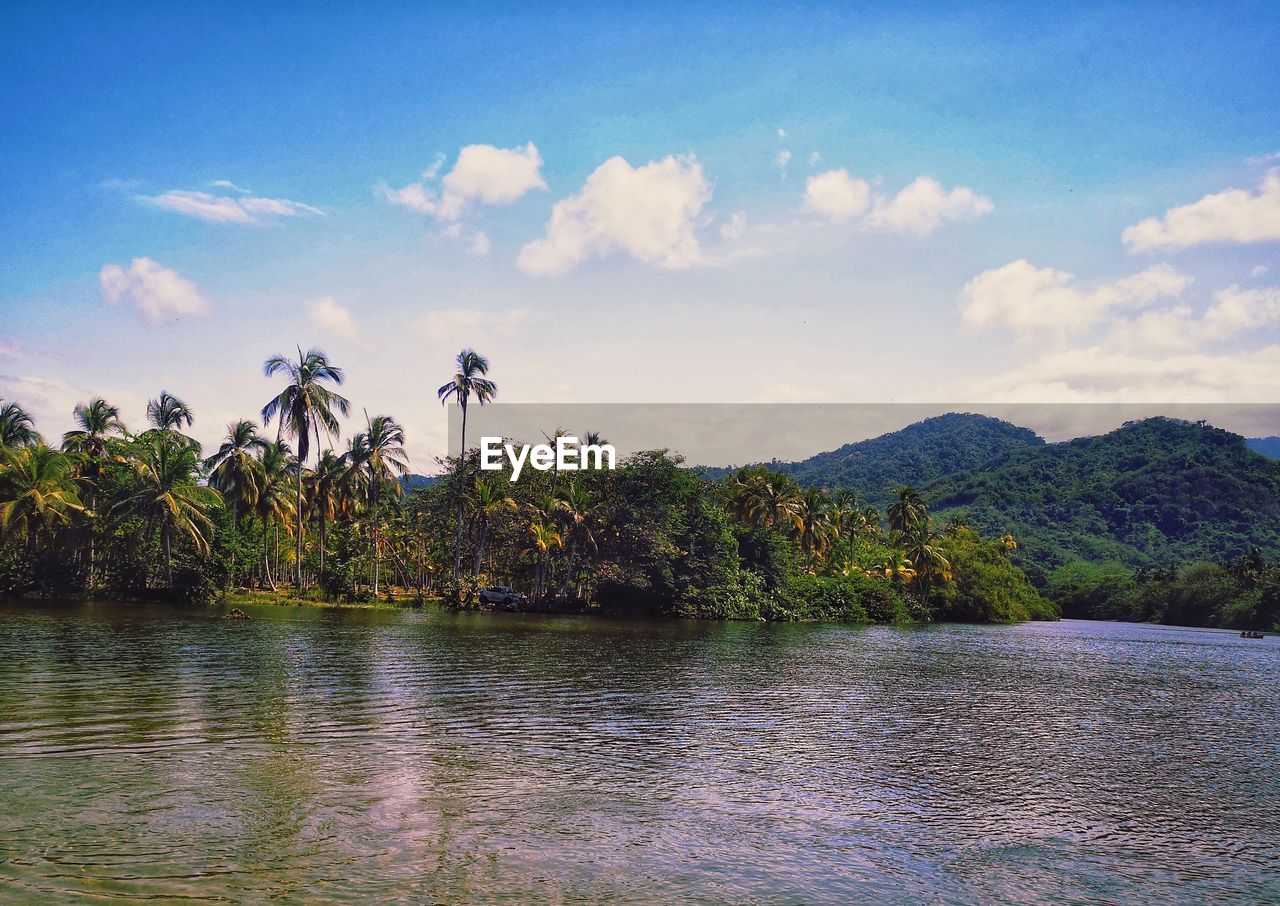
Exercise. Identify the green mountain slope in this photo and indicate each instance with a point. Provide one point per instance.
(918, 455)
(1152, 493)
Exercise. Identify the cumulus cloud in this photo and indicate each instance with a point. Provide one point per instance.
(482, 174)
(781, 161)
(1027, 299)
(243, 207)
(923, 206)
(327, 316)
(917, 210)
(1234, 216)
(158, 293)
(837, 196)
(649, 212)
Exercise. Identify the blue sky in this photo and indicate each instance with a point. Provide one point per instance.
(755, 230)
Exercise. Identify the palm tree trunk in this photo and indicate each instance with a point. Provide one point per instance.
(462, 458)
(297, 566)
(322, 540)
(568, 571)
(168, 557)
(266, 555)
(481, 530)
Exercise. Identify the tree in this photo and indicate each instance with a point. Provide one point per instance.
(273, 503)
(37, 491)
(168, 413)
(489, 499)
(305, 407)
(168, 496)
(379, 454)
(578, 509)
(17, 429)
(545, 539)
(98, 422)
(236, 473)
(328, 493)
(467, 381)
(907, 511)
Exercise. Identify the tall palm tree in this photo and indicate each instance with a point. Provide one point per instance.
(17, 428)
(327, 494)
(235, 471)
(578, 509)
(766, 499)
(378, 453)
(489, 499)
(467, 381)
(813, 525)
(98, 422)
(274, 502)
(168, 413)
(305, 407)
(921, 548)
(545, 538)
(169, 497)
(38, 490)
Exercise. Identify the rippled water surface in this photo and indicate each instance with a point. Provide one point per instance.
(363, 755)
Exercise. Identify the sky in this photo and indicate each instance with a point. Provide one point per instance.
(763, 203)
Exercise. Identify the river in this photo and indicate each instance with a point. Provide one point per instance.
(400, 756)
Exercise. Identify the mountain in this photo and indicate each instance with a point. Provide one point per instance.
(918, 455)
(413, 481)
(1152, 493)
(1265, 446)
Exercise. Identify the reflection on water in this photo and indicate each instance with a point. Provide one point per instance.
(382, 755)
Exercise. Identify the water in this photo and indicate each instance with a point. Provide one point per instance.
(374, 755)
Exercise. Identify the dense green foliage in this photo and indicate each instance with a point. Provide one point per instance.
(1241, 594)
(1153, 493)
(147, 515)
(917, 455)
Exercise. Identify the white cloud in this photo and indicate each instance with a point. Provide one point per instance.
(735, 227)
(814, 159)
(463, 325)
(478, 244)
(228, 184)
(1260, 270)
(649, 212)
(923, 206)
(483, 174)
(783, 158)
(1235, 310)
(157, 292)
(246, 208)
(837, 196)
(1236, 215)
(917, 210)
(326, 315)
(10, 349)
(782, 133)
(1027, 299)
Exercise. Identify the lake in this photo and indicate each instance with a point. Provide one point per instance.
(405, 756)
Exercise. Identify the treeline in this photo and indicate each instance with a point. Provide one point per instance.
(1243, 593)
(149, 514)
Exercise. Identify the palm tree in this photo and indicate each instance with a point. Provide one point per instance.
(469, 379)
(813, 526)
(765, 499)
(17, 428)
(236, 473)
(274, 503)
(169, 497)
(38, 490)
(168, 413)
(927, 558)
(545, 538)
(489, 499)
(305, 406)
(576, 505)
(907, 511)
(98, 421)
(327, 493)
(378, 453)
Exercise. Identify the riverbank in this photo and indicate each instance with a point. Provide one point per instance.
(288, 597)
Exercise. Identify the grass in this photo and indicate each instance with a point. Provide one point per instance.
(287, 596)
